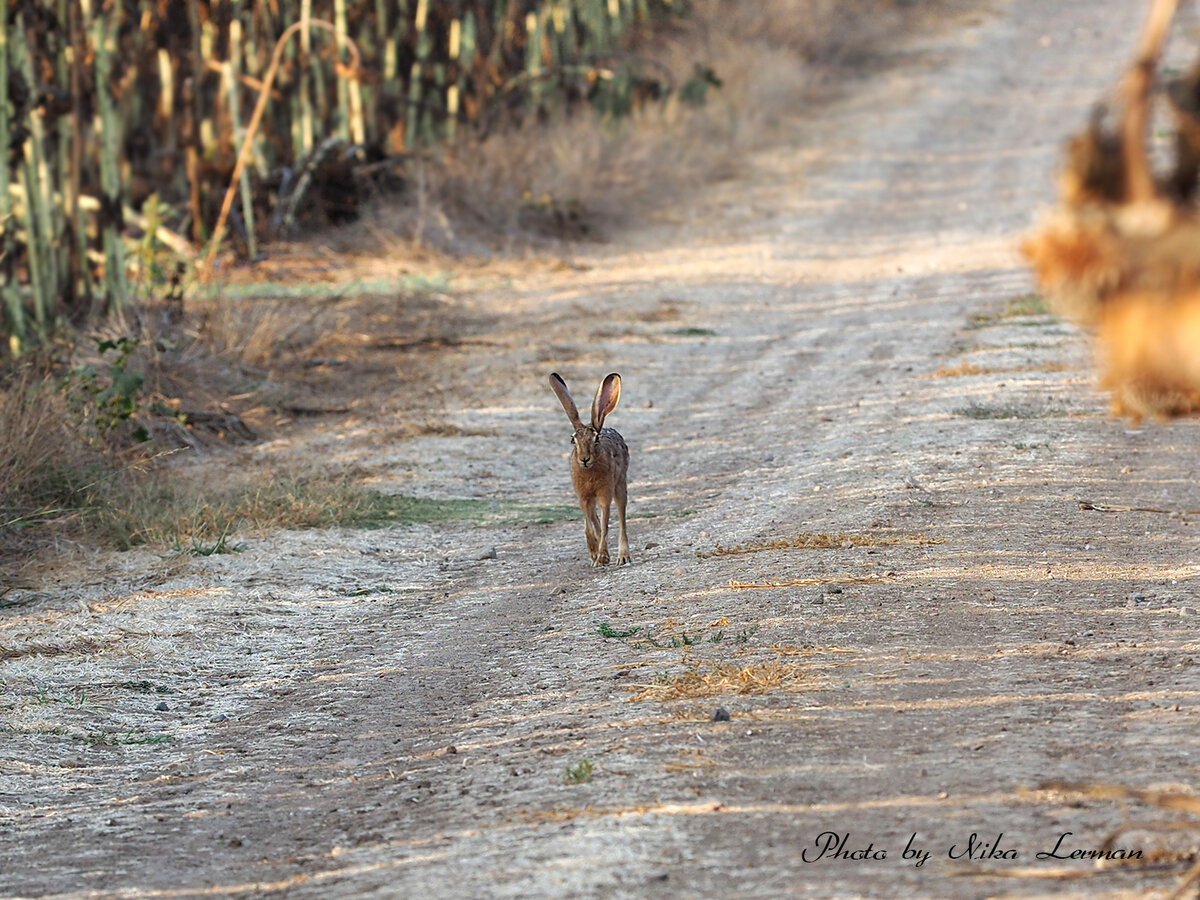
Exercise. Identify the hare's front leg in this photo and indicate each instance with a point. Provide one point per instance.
(591, 527)
(622, 494)
(601, 559)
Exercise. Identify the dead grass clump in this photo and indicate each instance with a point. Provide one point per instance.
(80, 646)
(821, 540)
(959, 369)
(261, 331)
(714, 679)
(965, 368)
(47, 468)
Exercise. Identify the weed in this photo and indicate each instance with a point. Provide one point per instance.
(692, 332)
(77, 700)
(743, 637)
(368, 591)
(671, 642)
(580, 773)
(984, 411)
(54, 730)
(146, 687)
(119, 739)
(219, 546)
(108, 397)
(607, 631)
(1025, 306)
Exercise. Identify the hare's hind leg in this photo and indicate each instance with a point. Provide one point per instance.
(622, 495)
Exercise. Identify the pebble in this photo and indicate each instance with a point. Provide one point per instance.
(833, 589)
(219, 717)
(720, 714)
(162, 707)
(489, 554)
(651, 546)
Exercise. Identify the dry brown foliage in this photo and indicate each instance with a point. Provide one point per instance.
(1121, 253)
(576, 177)
(715, 679)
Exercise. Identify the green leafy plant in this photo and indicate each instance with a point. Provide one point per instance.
(694, 91)
(108, 397)
(607, 631)
(580, 773)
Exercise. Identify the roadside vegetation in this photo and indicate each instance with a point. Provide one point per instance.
(148, 183)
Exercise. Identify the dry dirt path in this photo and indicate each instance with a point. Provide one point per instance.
(820, 345)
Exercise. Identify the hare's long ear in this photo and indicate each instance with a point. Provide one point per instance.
(607, 396)
(564, 397)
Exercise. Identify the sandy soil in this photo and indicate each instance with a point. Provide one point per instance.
(818, 345)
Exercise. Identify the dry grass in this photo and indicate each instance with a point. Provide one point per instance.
(958, 370)
(578, 176)
(966, 368)
(715, 679)
(803, 582)
(821, 540)
(261, 331)
(46, 463)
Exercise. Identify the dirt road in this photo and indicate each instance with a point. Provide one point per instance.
(833, 344)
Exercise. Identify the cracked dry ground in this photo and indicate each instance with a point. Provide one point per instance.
(824, 344)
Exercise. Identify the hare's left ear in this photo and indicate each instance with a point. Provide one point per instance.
(607, 396)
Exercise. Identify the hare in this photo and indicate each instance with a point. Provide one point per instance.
(599, 463)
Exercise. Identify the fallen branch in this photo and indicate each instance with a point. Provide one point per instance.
(1108, 507)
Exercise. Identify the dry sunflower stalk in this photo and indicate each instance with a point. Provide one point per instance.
(1121, 252)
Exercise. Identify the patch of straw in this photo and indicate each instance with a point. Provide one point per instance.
(713, 679)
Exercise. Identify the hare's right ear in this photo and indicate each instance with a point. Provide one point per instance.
(564, 397)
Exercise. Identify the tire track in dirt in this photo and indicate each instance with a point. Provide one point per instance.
(415, 742)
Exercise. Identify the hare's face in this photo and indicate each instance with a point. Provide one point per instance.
(583, 444)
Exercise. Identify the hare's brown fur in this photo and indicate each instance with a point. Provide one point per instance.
(599, 466)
